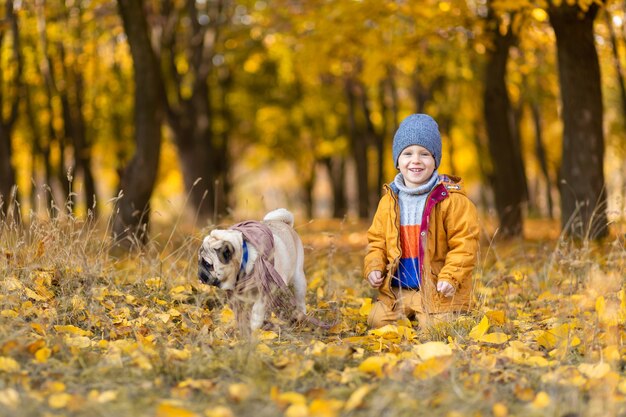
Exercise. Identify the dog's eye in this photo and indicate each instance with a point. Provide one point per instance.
(225, 253)
(206, 265)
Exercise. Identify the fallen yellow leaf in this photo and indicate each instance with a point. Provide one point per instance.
(325, 408)
(33, 295)
(430, 350)
(205, 385)
(219, 411)
(238, 392)
(36, 345)
(43, 354)
(597, 371)
(227, 316)
(178, 289)
(500, 410)
(178, 354)
(366, 307)
(520, 353)
(163, 317)
(385, 331)
(297, 410)
(611, 353)
(536, 360)
(80, 342)
(432, 367)
(102, 397)
(524, 393)
(289, 398)
(9, 314)
(608, 312)
(59, 400)
(55, 387)
(8, 364)
(171, 410)
(496, 317)
(494, 338)
(377, 365)
(542, 400)
(267, 335)
(72, 330)
(480, 329)
(38, 328)
(550, 338)
(392, 332)
(9, 398)
(263, 348)
(356, 398)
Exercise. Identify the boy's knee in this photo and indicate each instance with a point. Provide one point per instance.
(376, 317)
(381, 315)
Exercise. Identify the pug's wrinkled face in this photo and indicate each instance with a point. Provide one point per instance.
(219, 258)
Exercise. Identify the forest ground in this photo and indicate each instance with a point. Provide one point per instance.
(84, 332)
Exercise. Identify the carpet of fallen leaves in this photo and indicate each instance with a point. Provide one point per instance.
(84, 332)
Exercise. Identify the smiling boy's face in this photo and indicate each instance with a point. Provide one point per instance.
(416, 165)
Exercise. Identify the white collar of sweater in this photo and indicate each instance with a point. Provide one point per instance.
(422, 189)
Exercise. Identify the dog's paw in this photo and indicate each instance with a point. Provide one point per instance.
(269, 326)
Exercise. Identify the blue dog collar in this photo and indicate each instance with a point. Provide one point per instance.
(244, 258)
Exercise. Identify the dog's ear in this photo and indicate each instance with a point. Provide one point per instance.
(225, 253)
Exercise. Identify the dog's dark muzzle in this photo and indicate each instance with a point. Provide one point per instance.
(204, 272)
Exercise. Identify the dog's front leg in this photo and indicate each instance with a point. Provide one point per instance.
(258, 314)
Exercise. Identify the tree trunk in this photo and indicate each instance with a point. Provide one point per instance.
(65, 172)
(509, 178)
(132, 219)
(583, 197)
(358, 142)
(191, 119)
(46, 69)
(193, 137)
(82, 148)
(336, 172)
(80, 141)
(8, 191)
(616, 61)
(445, 126)
(380, 142)
(37, 153)
(372, 137)
(307, 187)
(225, 83)
(7, 172)
(395, 100)
(540, 151)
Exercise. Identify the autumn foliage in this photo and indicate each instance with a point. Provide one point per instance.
(86, 332)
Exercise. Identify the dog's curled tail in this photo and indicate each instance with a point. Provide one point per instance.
(281, 215)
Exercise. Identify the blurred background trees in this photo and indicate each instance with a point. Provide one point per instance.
(234, 107)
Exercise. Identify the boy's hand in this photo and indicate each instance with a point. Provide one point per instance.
(445, 288)
(375, 279)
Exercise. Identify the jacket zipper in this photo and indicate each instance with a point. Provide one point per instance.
(396, 261)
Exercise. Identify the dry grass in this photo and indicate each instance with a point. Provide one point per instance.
(86, 332)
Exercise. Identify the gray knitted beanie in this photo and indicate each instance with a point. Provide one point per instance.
(418, 129)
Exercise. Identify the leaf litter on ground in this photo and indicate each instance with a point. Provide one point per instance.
(83, 332)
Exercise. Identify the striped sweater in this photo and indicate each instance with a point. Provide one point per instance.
(412, 201)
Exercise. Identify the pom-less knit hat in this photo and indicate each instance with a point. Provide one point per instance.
(418, 129)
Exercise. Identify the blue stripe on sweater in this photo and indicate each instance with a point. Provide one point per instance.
(408, 275)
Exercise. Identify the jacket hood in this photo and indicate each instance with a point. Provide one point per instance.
(452, 183)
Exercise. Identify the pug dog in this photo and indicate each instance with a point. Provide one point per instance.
(253, 261)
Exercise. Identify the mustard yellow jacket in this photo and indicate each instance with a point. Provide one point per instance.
(448, 251)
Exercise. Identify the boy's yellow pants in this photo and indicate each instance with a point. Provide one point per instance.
(408, 305)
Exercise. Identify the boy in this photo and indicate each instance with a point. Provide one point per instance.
(423, 241)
